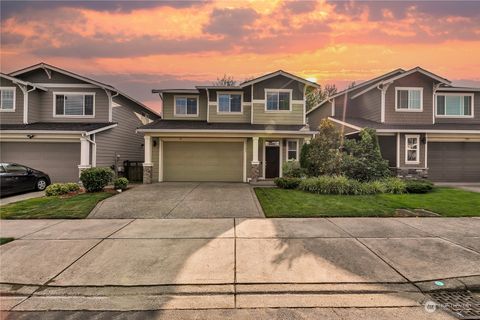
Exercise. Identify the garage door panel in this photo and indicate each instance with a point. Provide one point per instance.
(454, 161)
(203, 161)
(59, 160)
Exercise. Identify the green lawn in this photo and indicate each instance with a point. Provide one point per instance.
(5, 240)
(75, 207)
(293, 203)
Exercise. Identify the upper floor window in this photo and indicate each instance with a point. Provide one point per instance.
(229, 103)
(408, 99)
(186, 106)
(412, 149)
(455, 105)
(278, 100)
(292, 150)
(7, 102)
(75, 104)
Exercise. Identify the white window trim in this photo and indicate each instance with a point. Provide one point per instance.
(416, 136)
(55, 93)
(229, 93)
(175, 114)
(296, 151)
(455, 94)
(278, 91)
(14, 99)
(397, 109)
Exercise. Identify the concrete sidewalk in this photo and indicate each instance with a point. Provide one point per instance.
(154, 264)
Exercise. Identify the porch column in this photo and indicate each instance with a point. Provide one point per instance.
(147, 164)
(84, 155)
(255, 168)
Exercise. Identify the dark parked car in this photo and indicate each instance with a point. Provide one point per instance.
(15, 178)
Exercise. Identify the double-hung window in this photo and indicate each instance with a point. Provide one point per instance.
(186, 106)
(408, 99)
(277, 100)
(455, 105)
(412, 149)
(74, 104)
(292, 150)
(7, 102)
(229, 103)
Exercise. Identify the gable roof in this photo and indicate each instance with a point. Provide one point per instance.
(277, 73)
(360, 85)
(104, 86)
(19, 81)
(402, 75)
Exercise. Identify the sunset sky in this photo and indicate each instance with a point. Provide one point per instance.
(140, 45)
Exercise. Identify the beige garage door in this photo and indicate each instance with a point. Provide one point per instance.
(59, 160)
(203, 161)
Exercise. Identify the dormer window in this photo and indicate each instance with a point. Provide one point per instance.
(7, 103)
(278, 100)
(186, 106)
(408, 99)
(74, 104)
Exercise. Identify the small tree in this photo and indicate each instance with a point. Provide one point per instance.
(314, 96)
(362, 159)
(226, 81)
(323, 155)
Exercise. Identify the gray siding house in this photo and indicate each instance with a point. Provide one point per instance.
(426, 126)
(240, 133)
(60, 122)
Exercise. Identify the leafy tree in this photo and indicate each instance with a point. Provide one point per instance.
(362, 159)
(316, 95)
(323, 155)
(226, 81)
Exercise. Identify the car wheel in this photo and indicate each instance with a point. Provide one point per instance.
(41, 184)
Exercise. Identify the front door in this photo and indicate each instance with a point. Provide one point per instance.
(272, 162)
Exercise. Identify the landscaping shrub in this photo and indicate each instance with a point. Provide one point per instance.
(372, 187)
(95, 179)
(72, 187)
(418, 186)
(120, 183)
(292, 169)
(330, 185)
(56, 189)
(362, 159)
(394, 185)
(287, 183)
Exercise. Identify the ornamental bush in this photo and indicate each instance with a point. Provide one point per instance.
(418, 186)
(394, 185)
(287, 183)
(292, 169)
(330, 185)
(58, 189)
(120, 183)
(95, 179)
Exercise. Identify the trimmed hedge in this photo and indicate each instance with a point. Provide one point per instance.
(58, 189)
(342, 185)
(419, 186)
(120, 183)
(95, 179)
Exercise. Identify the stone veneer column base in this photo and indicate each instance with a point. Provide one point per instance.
(254, 172)
(411, 173)
(147, 173)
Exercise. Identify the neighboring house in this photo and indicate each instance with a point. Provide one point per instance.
(60, 122)
(238, 133)
(426, 126)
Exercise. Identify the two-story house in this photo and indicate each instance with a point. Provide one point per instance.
(426, 126)
(237, 133)
(60, 122)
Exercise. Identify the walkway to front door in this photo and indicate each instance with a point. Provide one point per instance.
(182, 200)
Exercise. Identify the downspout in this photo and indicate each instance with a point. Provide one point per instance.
(25, 100)
(383, 88)
(434, 101)
(110, 103)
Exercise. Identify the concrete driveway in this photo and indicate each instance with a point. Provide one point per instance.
(150, 264)
(182, 200)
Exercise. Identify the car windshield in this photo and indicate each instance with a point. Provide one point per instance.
(15, 168)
